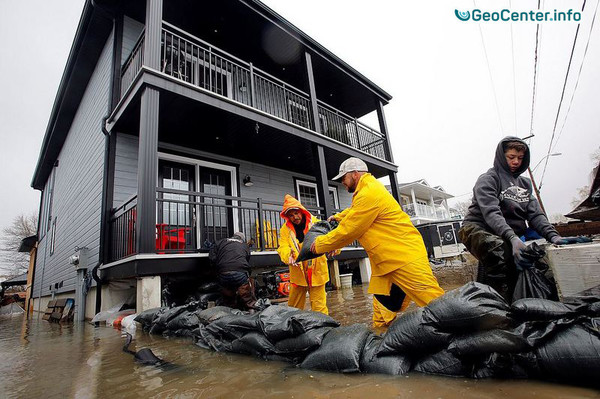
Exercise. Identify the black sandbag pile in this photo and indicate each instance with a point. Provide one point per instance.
(394, 364)
(534, 280)
(317, 229)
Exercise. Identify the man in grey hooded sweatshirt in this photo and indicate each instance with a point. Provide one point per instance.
(503, 206)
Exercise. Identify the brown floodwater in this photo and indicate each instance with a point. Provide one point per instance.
(43, 360)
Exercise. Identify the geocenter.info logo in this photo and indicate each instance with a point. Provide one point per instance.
(506, 15)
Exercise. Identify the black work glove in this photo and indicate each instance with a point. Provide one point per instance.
(517, 247)
(558, 240)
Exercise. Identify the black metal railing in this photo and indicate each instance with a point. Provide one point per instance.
(192, 60)
(188, 221)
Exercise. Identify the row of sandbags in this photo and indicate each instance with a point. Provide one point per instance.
(468, 332)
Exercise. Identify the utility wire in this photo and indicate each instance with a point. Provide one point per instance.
(512, 47)
(535, 70)
(490, 73)
(578, 75)
(561, 100)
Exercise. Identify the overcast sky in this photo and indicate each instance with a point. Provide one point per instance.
(448, 112)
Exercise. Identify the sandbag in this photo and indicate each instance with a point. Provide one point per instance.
(541, 309)
(572, 354)
(253, 343)
(303, 343)
(146, 317)
(474, 306)
(340, 351)
(409, 333)
(317, 229)
(502, 365)
(274, 323)
(371, 363)
(204, 298)
(206, 340)
(485, 342)
(186, 320)
(159, 324)
(209, 315)
(233, 326)
(532, 283)
(442, 363)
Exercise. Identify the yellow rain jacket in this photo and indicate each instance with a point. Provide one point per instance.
(386, 233)
(289, 245)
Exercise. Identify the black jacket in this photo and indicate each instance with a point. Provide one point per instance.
(503, 202)
(230, 254)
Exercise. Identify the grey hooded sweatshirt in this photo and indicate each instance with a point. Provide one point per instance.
(503, 202)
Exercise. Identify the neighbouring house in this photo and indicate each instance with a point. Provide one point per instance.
(177, 123)
(438, 223)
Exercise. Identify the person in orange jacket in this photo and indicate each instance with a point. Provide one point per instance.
(400, 270)
(308, 276)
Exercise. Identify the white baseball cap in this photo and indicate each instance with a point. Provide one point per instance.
(351, 165)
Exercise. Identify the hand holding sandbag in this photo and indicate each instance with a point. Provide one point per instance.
(318, 229)
(517, 247)
(558, 240)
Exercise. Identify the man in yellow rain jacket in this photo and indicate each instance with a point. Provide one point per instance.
(308, 276)
(394, 246)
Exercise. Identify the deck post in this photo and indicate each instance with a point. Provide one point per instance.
(152, 36)
(148, 293)
(147, 172)
(364, 265)
(322, 181)
(334, 274)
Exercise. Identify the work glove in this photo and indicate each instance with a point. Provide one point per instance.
(517, 247)
(558, 240)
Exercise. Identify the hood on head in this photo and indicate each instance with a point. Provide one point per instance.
(290, 202)
(500, 160)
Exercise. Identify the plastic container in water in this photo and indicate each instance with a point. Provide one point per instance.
(346, 280)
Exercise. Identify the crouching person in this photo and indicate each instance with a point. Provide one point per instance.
(308, 276)
(231, 259)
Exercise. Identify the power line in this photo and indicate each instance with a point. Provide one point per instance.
(578, 75)
(561, 98)
(535, 70)
(490, 73)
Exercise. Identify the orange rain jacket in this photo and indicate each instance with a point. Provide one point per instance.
(287, 237)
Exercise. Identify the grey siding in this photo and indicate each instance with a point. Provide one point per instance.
(131, 33)
(78, 186)
(126, 159)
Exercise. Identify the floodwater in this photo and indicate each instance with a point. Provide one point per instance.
(43, 360)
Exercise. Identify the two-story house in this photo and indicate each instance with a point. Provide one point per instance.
(179, 122)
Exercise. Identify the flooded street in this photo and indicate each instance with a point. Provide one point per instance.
(43, 360)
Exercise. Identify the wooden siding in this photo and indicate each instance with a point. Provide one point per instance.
(131, 33)
(78, 186)
(270, 184)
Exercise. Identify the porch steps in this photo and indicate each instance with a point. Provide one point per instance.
(59, 310)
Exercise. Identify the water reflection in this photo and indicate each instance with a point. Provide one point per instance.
(39, 359)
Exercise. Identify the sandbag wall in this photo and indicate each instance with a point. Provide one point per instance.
(468, 332)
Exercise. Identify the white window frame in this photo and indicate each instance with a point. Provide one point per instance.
(197, 164)
(306, 183)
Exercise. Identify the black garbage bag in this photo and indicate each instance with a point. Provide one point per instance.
(279, 322)
(532, 283)
(209, 315)
(233, 326)
(206, 340)
(340, 351)
(443, 363)
(253, 343)
(572, 355)
(474, 306)
(317, 229)
(146, 318)
(485, 342)
(541, 309)
(371, 363)
(205, 298)
(410, 333)
(185, 320)
(159, 324)
(303, 343)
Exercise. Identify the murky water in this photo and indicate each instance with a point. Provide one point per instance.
(43, 360)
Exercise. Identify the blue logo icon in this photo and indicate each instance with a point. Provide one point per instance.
(462, 15)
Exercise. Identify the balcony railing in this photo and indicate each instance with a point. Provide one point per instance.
(189, 222)
(192, 60)
(426, 211)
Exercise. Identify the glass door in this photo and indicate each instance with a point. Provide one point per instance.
(175, 222)
(216, 215)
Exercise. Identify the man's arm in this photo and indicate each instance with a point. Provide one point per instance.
(355, 223)
(285, 250)
(486, 195)
(538, 220)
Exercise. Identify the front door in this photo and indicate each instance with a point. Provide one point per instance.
(216, 215)
(175, 222)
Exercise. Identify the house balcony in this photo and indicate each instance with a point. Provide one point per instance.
(428, 212)
(197, 64)
(190, 222)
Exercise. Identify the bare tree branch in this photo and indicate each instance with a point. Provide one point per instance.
(12, 261)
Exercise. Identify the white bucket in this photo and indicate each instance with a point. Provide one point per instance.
(346, 280)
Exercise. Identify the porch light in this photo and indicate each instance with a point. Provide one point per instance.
(247, 181)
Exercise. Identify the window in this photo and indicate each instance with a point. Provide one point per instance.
(307, 194)
(46, 216)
